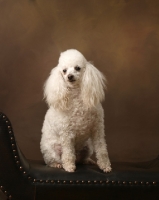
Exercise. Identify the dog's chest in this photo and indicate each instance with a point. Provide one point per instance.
(81, 119)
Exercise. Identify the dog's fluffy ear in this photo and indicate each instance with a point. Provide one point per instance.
(93, 85)
(55, 91)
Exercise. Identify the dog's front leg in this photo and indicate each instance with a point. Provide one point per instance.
(100, 149)
(68, 153)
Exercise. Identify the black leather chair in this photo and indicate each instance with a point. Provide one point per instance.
(21, 179)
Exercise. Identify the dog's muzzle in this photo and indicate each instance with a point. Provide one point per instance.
(71, 78)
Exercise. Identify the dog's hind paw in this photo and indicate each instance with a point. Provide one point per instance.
(56, 165)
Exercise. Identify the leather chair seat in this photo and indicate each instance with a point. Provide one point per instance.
(123, 173)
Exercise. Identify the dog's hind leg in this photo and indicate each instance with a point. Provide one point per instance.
(52, 157)
(83, 156)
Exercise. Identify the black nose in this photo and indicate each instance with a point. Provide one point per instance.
(70, 77)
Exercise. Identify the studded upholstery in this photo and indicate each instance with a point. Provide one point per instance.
(21, 179)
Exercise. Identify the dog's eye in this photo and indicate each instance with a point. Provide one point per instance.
(77, 68)
(64, 70)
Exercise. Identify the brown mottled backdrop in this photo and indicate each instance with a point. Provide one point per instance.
(121, 37)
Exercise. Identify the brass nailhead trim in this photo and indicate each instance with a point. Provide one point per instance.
(5, 192)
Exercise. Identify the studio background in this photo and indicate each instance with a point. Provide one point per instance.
(121, 37)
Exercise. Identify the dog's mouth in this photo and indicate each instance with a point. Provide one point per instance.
(73, 80)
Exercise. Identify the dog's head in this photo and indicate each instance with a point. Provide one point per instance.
(74, 71)
(72, 65)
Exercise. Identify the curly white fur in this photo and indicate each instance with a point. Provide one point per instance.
(74, 123)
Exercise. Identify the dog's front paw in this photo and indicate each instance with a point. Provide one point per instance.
(69, 168)
(105, 167)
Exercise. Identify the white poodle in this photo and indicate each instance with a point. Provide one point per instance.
(74, 123)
